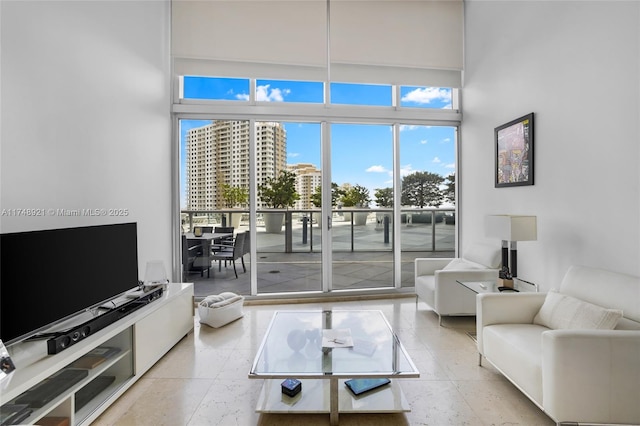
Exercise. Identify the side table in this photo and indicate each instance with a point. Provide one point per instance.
(519, 285)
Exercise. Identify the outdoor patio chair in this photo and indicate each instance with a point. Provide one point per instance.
(246, 248)
(220, 244)
(231, 255)
(193, 258)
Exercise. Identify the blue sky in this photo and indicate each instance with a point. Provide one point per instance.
(361, 154)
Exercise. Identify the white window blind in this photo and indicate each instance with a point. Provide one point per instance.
(371, 41)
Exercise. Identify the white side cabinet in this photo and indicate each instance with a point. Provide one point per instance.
(94, 372)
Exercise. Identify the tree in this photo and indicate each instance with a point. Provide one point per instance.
(449, 191)
(316, 197)
(355, 196)
(384, 197)
(234, 195)
(422, 189)
(279, 192)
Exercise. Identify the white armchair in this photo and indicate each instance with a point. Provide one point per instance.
(435, 279)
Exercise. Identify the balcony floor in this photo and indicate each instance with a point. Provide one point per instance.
(299, 272)
(369, 265)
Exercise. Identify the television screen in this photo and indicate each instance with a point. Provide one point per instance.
(50, 275)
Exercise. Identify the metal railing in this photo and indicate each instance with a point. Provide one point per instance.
(353, 229)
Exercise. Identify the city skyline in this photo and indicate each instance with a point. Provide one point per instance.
(361, 153)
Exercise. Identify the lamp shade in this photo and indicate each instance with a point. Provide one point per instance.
(511, 227)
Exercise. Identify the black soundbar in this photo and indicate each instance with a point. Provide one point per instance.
(63, 340)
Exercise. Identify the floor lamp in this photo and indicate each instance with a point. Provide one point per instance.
(511, 229)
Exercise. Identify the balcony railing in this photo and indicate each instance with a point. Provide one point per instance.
(353, 230)
(363, 254)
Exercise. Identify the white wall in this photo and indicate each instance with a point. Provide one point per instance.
(86, 116)
(576, 65)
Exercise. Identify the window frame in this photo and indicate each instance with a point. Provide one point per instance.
(394, 115)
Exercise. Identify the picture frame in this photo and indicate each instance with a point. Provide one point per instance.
(514, 144)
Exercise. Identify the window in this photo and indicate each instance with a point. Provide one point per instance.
(425, 97)
(215, 88)
(374, 140)
(289, 91)
(361, 94)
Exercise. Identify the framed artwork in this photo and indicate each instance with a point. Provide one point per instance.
(514, 152)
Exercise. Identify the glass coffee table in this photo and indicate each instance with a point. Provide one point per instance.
(492, 286)
(293, 348)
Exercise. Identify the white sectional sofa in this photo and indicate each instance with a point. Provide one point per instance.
(559, 349)
(435, 278)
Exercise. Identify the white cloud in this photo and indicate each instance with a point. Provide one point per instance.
(267, 94)
(406, 170)
(450, 166)
(293, 154)
(446, 140)
(376, 169)
(424, 95)
(407, 127)
(424, 142)
(436, 160)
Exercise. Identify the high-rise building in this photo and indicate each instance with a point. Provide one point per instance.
(218, 154)
(308, 179)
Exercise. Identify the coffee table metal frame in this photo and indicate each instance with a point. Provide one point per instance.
(291, 348)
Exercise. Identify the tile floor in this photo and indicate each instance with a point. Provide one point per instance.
(203, 379)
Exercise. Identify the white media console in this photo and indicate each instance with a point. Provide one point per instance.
(100, 367)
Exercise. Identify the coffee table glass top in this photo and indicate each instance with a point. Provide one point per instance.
(292, 347)
(492, 286)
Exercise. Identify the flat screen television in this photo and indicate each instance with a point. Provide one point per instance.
(52, 275)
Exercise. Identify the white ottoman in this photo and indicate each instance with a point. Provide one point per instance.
(221, 309)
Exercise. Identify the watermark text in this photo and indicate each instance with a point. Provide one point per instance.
(60, 212)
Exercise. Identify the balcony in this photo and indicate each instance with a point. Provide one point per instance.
(291, 261)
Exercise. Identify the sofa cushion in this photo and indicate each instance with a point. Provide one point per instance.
(516, 349)
(560, 311)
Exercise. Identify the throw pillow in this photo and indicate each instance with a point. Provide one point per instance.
(565, 312)
(461, 265)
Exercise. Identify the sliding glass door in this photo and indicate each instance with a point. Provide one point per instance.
(288, 231)
(362, 231)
